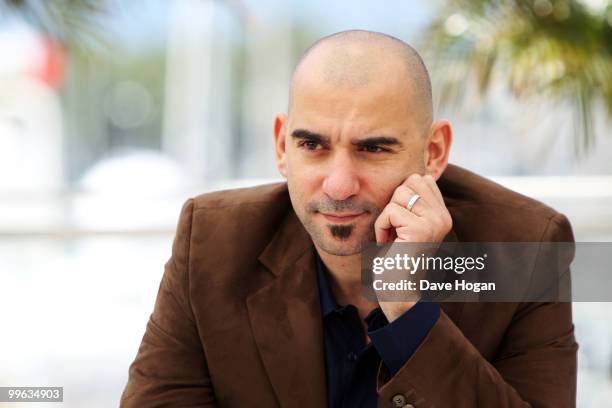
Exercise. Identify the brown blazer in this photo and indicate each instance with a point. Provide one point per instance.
(237, 321)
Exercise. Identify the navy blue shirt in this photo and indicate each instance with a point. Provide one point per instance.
(352, 366)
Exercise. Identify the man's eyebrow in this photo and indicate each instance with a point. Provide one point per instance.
(378, 140)
(368, 141)
(308, 135)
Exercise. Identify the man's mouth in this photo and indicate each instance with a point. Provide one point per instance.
(341, 218)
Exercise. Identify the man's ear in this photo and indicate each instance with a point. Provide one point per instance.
(438, 148)
(280, 133)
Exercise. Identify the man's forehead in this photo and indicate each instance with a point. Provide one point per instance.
(350, 115)
(373, 103)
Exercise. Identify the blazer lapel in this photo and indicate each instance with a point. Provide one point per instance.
(286, 319)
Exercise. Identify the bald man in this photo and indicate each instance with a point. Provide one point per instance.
(261, 303)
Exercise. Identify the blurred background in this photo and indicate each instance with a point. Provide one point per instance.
(113, 113)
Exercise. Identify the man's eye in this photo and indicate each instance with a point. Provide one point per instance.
(373, 149)
(310, 145)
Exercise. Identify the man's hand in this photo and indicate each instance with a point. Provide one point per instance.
(428, 222)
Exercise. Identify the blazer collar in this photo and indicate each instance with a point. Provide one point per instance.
(289, 243)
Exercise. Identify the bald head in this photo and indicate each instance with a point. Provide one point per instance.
(356, 59)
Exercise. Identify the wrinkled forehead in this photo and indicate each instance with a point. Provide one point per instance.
(373, 105)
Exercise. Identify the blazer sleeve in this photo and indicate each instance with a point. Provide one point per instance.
(534, 367)
(170, 367)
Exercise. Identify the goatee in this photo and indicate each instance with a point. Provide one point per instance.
(341, 231)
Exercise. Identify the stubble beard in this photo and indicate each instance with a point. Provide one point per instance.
(343, 240)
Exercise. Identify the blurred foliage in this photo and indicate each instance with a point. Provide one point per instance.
(560, 50)
(74, 23)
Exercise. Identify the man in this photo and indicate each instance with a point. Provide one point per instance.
(260, 304)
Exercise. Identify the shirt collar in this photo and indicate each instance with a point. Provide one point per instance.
(326, 297)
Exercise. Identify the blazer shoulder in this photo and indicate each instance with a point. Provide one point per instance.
(486, 210)
(234, 226)
(238, 214)
(263, 194)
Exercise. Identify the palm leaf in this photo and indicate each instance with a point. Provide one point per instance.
(73, 23)
(553, 49)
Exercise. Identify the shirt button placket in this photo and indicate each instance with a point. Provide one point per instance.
(352, 356)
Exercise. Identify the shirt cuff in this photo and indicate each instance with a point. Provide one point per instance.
(398, 340)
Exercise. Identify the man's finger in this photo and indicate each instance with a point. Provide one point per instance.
(420, 187)
(402, 196)
(393, 216)
(433, 186)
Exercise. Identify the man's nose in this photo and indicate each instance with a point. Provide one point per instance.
(341, 181)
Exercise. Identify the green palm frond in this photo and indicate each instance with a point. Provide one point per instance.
(74, 23)
(554, 49)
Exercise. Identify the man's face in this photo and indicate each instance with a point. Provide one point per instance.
(346, 150)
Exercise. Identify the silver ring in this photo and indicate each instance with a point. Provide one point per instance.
(413, 201)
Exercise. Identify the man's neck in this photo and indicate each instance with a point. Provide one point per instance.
(345, 279)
